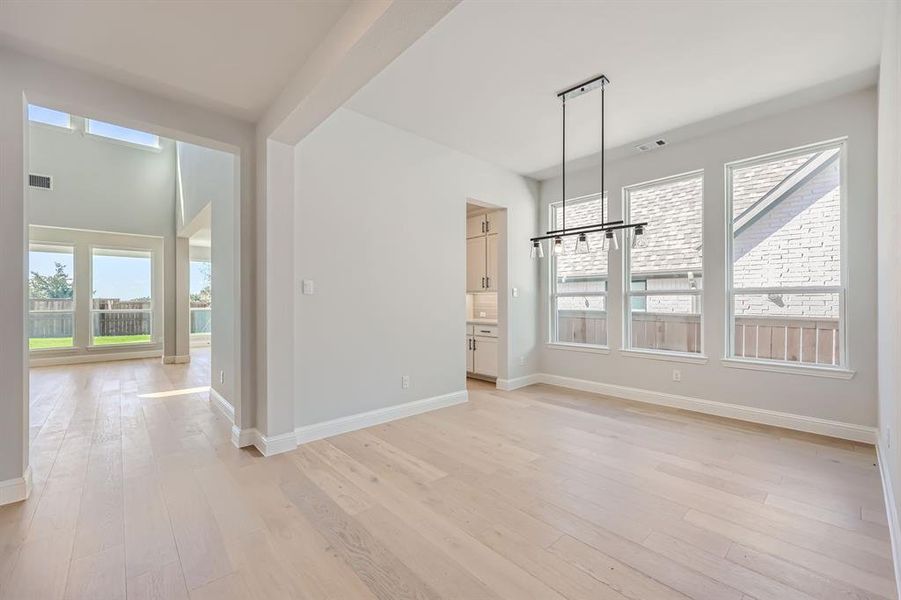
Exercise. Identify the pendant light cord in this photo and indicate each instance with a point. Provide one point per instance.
(603, 163)
(563, 163)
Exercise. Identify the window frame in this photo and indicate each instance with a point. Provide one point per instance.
(199, 335)
(553, 295)
(149, 147)
(730, 359)
(91, 345)
(629, 294)
(73, 312)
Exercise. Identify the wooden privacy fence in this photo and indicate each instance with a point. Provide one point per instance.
(793, 339)
(121, 323)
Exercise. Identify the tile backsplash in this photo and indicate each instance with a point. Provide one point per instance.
(482, 306)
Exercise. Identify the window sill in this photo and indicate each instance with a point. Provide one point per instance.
(60, 350)
(682, 357)
(578, 347)
(137, 345)
(789, 368)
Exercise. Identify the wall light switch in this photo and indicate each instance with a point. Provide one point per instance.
(308, 287)
(677, 375)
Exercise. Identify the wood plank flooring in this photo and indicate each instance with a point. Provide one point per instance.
(541, 493)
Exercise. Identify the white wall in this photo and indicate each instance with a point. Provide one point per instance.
(207, 178)
(888, 267)
(379, 227)
(850, 401)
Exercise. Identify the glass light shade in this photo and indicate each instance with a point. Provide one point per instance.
(582, 244)
(537, 250)
(614, 240)
(559, 248)
(610, 241)
(638, 238)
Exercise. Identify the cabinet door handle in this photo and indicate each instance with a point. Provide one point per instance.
(487, 225)
(487, 282)
(473, 343)
(483, 226)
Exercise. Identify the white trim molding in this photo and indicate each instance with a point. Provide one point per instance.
(509, 385)
(789, 368)
(680, 357)
(17, 489)
(325, 429)
(243, 438)
(176, 359)
(224, 407)
(275, 444)
(891, 513)
(836, 429)
(74, 359)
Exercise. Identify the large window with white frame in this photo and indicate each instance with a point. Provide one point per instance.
(579, 281)
(122, 303)
(663, 267)
(785, 277)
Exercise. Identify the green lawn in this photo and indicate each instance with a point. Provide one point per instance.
(120, 339)
(44, 343)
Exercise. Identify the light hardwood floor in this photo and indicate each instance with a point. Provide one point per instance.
(540, 493)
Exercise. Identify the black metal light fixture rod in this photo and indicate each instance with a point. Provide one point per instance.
(578, 229)
(595, 230)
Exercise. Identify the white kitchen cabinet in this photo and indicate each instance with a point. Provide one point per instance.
(470, 355)
(481, 253)
(484, 356)
(476, 261)
(491, 263)
(475, 226)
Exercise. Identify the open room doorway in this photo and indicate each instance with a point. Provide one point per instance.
(485, 226)
(125, 250)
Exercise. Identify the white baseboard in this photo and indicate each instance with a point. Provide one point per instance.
(222, 405)
(242, 438)
(177, 360)
(275, 444)
(318, 431)
(518, 382)
(74, 359)
(891, 513)
(837, 429)
(17, 489)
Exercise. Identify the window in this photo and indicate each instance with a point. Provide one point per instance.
(123, 134)
(786, 294)
(201, 297)
(663, 266)
(48, 116)
(579, 281)
(122, 296)
(51, 296)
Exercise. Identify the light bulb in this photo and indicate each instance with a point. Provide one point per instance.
(559, 248)
(537, 250)
(582, 244)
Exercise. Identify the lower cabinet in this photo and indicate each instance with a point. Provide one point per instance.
(481, 350)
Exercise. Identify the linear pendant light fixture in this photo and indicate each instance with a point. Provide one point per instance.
(609, 228)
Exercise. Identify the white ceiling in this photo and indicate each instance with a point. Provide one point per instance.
(234, 56)
(484, 79)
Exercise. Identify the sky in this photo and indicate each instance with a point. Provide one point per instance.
(114, 276)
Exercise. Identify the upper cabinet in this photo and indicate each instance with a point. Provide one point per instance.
(481, 252)
(482, 225)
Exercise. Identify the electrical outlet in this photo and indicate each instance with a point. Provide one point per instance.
(516, 292)
(221, 376)
(405, 382)
(522, 361)
(677, 375)
(308, 287)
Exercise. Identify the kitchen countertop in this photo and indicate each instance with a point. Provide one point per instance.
(481, 321)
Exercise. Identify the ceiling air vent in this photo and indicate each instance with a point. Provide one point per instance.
(45, 182)
(651, 145)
